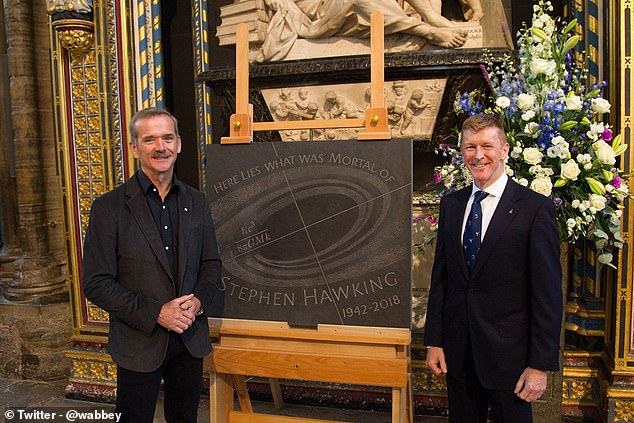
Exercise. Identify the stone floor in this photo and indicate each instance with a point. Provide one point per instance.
(21, 393)
(51, 394)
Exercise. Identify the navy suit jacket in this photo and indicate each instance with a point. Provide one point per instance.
(510, 309)
(127, 273)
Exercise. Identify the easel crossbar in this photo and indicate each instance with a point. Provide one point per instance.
(357, 370)
(334, 333)
(308, 124)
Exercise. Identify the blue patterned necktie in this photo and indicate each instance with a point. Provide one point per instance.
(472, 236)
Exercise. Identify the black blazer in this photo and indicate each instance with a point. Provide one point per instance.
(511, 307)
(126, 272)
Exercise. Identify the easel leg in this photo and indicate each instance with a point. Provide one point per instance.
(220, 397)
(243, 394)
(399, 396)
(276, 391)
(410, 400)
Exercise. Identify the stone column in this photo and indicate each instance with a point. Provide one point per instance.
(35, 324)
(35, 273)
(7, 170)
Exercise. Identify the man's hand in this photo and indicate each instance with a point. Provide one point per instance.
(179, 314)
(436, 360)
(531, 384)
(193, 304)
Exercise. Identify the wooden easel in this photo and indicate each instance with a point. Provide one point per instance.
(374, 356)
(356, 355)
(241, 125)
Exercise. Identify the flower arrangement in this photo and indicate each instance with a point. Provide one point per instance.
(558, 145)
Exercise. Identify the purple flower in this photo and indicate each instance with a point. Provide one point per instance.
(485, 73)
(558, 201)
(616, 182)
(432, 220)
(437, 178)
(607, 135)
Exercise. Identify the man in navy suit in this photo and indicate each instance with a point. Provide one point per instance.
(151, 260)
(495, 305)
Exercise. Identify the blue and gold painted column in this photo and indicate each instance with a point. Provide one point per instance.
(620, 389)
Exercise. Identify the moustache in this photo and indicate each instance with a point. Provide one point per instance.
(161, 155)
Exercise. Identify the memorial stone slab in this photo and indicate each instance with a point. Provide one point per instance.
(314, 232)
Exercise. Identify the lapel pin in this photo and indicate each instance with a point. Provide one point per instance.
(185, 208)
(511, 211)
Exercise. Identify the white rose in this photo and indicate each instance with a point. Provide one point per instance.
(525, 101)
(528, 115)
(532, 155)
(543, 66)
(604, 152)
(575, 203)
(503, 102)
(571, 223)
(508, 170)
(531, 127)
(587, 166)
(557, 140)
(597, 128)
(597, 202)
(584, 158)
(562, 152)
(600, 105)
(574, 102)
(542, 185)
(523, 182)
(570, 170)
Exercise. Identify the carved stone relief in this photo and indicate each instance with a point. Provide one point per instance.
(412, 107)
(301, 29)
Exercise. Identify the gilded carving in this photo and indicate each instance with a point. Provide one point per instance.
(77, 41)
(94, 313)
(93, 123)
(91, 75)
(92, 107)
(77, 75)
(79, 125)
(438, 383)
(80, 368)
(624, 411)
(91, 90)
(112, 372)
(80, 140)
(82, 155)
(78, 91)
(95, 155)
(79, 107)
(577, 389)
(419, 380)
(98, 370)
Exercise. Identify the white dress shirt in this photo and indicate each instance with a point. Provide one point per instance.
(489, 203)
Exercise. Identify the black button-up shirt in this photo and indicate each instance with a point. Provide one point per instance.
(165, 214)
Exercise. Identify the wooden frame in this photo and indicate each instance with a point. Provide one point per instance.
(241, 125)
(374, 356)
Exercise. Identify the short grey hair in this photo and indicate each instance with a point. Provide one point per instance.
(145, 114)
